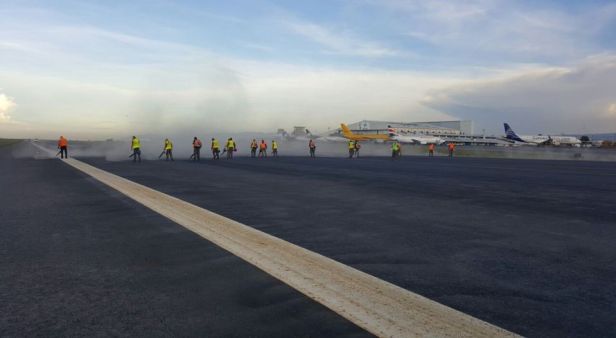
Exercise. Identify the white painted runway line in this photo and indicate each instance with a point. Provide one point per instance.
(377, 306)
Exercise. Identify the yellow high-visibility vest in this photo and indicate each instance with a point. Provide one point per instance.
(136, 143)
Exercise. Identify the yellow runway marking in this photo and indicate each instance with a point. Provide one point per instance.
(377, 306)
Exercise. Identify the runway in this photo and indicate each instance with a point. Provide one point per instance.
(79, 259)
(526, 245)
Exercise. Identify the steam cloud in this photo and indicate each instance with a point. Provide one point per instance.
(6, 104)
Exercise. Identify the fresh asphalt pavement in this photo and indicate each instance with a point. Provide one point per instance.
(79, 259)
(524, 244)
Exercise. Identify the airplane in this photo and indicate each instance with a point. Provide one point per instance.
(542, 139)
(347, 133)
(536, 140)
(415, 139)
(566, 140)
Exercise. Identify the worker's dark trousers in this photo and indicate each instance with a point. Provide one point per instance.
(351, 153)
(451, 153)
(63, 152)
(229, 153)
(275, 152)
(169, 154)
(431, 153)
(312, 152)
(136, 154)
(262, 153)
(253, 152)
(216, 153)
(196, 154)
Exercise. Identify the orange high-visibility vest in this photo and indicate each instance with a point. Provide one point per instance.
(62, 142)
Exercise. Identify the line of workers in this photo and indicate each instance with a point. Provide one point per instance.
(231, 147)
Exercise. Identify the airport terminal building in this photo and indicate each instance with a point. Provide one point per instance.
(444, 128)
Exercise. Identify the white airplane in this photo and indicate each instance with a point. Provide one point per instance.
(541, 139)
(566, 140)
(412, 138)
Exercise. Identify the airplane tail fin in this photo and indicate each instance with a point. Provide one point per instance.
(510, 133)
(345, 130)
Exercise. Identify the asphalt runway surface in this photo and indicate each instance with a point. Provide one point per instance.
(78, 259)
(526, 245)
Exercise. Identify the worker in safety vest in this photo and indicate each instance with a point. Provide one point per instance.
(168, 150)
(312, 147)
(253, 148)
(351, 148)
(357, 147)
(395, 150)
(263, 149)
(451, 147)
(63, 146)
(230, 148)
(215, 149)
(136, 148)
(197, 144)
(431, 149)
(274, 148)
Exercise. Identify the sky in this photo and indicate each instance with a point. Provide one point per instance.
(103, 69)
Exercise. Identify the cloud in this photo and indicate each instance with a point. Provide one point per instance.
(343, 42)
(6, 104)
(576, 99)
(610, 112)
(503, 30)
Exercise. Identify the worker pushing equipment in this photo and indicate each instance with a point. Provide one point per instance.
(263, 149)
(431, 149)
(253, 148)
(274, 148)
(351, 148)
(451, 147)
(136, 148)
(395, 150)
(313, 148)
(230, 148)
(196, 156)
(215, 147)
(168, 149)
(63, 146)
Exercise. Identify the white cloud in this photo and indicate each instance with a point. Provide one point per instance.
(611, 111)
(578, 99)
(505, 29)
(6, 104)
(340, 42)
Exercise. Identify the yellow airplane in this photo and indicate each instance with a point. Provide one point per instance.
(346, 132)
